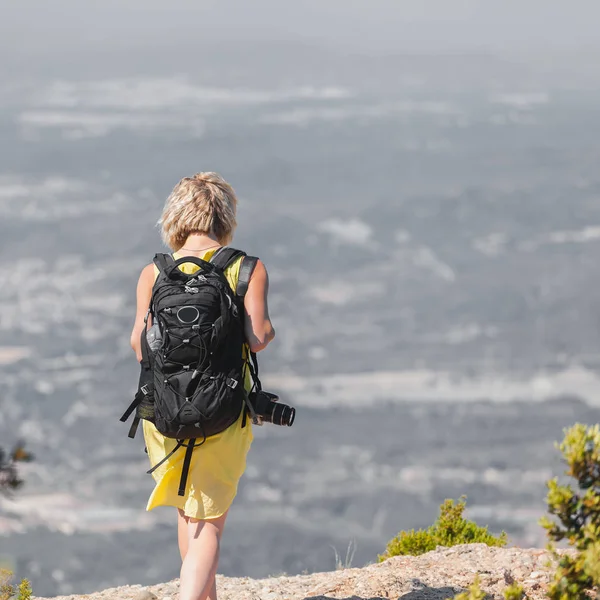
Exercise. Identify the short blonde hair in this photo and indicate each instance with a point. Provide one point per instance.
(204, 203)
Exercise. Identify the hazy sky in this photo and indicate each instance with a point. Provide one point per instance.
(359, 25)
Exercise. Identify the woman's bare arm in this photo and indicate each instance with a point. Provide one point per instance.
(144, 293)
(258, 326)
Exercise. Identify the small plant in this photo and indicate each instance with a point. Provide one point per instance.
(347, 562)
(513, 592)
(450, 529)
(8, 590)
(24, 592)
(473, 593)
(578, 514)
(9, 477)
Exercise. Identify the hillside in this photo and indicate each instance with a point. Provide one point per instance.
(436, 575)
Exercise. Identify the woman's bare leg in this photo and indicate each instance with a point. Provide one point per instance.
(212, 595)
(182, 533)
(200, 563)
(182, 537)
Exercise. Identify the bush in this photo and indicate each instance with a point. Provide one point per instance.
(578, 515)
(25, 591)
(10, 481)
(9, 478)
(450, 529)
(514, 592)
(8, 590)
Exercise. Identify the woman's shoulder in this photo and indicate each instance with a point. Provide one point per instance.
(148, 276)
(147, 273)
(259, 271)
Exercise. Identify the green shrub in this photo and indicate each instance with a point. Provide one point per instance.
(450, 529)
(514, 592)
(577, 515)
(473, 593)
(24, 592)
(8, 590)
(9, 478)
(10, 481)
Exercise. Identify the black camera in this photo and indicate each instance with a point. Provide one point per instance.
(266, 409)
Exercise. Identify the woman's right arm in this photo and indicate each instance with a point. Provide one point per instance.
(144, 294)
(258, 326)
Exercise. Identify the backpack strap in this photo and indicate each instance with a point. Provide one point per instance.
(162, 261)
(145, 362)
(179, 444)
(134, 427)
(136, 402)
(246, 269)
(145, 386)
(187, 460)
(225, 256)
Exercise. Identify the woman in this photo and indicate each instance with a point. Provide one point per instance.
(199, 217)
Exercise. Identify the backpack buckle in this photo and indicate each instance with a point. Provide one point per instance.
(145, 390)
(232, 383)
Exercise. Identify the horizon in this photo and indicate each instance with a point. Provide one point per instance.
(382, 27)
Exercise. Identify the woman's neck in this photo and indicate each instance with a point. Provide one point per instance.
(199, 242)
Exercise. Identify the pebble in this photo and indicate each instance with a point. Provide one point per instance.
(537, 575)
(145, 595)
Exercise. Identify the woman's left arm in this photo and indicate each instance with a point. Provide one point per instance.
(144, 294)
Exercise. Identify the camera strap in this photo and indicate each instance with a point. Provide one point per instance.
(253, 366)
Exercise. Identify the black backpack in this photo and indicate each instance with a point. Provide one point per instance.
(192, 370)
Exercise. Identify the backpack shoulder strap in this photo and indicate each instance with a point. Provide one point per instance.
(162, 261)
(246, 269)
(225, 256)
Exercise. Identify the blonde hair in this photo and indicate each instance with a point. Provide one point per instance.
(204, 203)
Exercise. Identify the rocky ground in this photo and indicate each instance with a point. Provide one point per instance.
(436, 575)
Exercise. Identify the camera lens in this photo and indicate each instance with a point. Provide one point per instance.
(280, 414)
(265, 404)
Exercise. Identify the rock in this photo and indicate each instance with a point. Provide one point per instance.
(537, 575)
(145, 595)
(438, 574)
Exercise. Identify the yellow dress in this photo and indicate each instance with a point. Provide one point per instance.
(216, 466)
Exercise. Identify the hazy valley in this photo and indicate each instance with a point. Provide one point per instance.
(432, 243)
